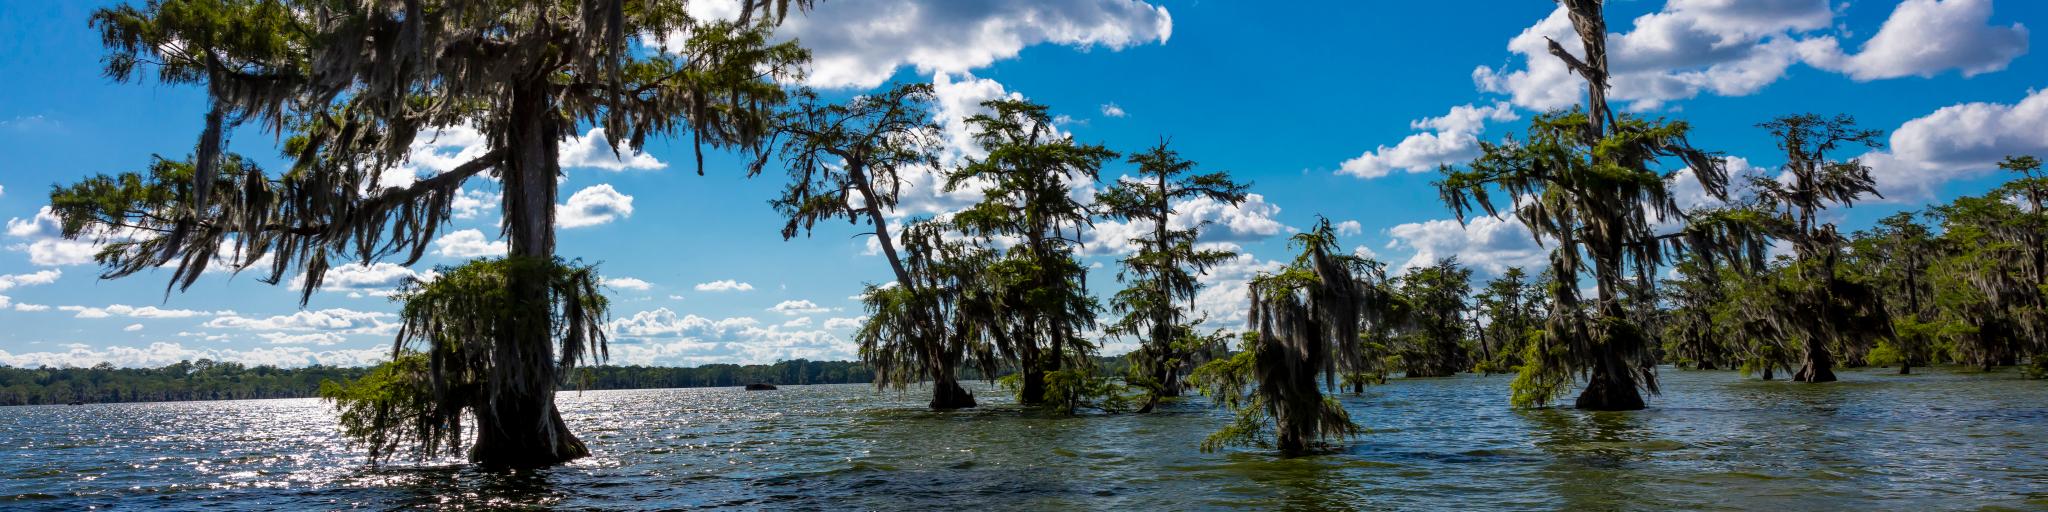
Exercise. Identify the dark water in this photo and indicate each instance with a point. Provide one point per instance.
(1713, 441)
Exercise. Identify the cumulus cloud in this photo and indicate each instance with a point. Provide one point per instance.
(661, 336)
(798, 307)
(628, 283)
(842, 323)
(377, 279)
(1487, 243)
(40, 277)
(1925, 38)
(306, 338)
(1225, 300)
(161, 354)
(333, 320)
(124, 310)
(594, 205)
(43, 240)
(1958, 142)
(1215, 221)
(593, 150)
(1452, 138)
(470, 204)
(468, 243)
(1736, 48)
(726, 285)
(1690, 47)
(132, 327)
(1349, 228)
(861, 43)
(1111, 110)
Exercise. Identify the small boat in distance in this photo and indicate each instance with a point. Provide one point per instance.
(760, 386)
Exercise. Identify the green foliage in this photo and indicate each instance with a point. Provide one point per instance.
(1435, 295)
(1884, 354)
(1071, 389)
(393, 408)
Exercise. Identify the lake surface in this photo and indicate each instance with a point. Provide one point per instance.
(1876, 441)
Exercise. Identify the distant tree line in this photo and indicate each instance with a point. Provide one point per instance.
(207, 379)
(204, 379)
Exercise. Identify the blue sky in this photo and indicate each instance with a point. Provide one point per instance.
(1331, 108)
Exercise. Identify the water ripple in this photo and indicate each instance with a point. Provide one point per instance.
(1715, 442)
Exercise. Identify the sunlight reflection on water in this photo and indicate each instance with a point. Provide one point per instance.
(1714, 441)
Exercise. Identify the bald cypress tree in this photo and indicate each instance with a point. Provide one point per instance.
(1305, 322)
(1041, 299)
(1583, 180)
(848, 161)
(351, 86)
(1163, 274)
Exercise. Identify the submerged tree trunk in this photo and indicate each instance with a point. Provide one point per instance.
(1905, 366)
(1819, 365)
(947, 394)
(517, 423)
(1032, 391)
(1767, 372)
(1611, 388)
(946, 391)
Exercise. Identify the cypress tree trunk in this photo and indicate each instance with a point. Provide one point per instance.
(1819, 365)
(1034, 377)
(947, 394)
(1612, 387)
(517, 423)
(1613, 384)
(1169, 380)
(946, 391)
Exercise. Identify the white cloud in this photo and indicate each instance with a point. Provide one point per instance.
(1724, 47)
(1958, 142)
(132, 327)
(334, 320)
(378, 279)
(1924, 38)
(861, 43)
(1452, 138)
(1216, 221)
(161, 354)
(41, 277)
(30, 308)
(124, 310)
(661, 336)
(841, 323)
(1111, 110)
(1225, 300)
(470, 204)
(726, 285)
(468, 243)
(1487, 243)
(309, 338)
(594, 150)
(1349, 228)
(45, 243)
(798, 307)
(628, 283)
(594, 205)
